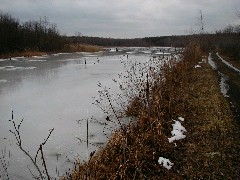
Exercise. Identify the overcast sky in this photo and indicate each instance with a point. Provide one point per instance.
(126, 18)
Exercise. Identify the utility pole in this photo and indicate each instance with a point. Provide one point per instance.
(201, 22)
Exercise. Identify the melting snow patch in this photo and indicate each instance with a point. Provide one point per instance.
(165, 162)
(211, 62)
(228, 64)
(181, 118)
(223, 85)
(177, 132)
(197, 66)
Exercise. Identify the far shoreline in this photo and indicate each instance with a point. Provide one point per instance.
(69, 48)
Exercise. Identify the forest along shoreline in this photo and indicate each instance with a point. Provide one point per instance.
(184, 128)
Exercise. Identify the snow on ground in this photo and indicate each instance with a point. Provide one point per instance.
(211, 62)
(197, 66)
(13, 68)
(165, 162)
(181, 118)
(223, 84)
(228, 64)
(177, 132)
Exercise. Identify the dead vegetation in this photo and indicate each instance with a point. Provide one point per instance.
(69, 48)
(27, 53)
(211, 149)
(81, 48)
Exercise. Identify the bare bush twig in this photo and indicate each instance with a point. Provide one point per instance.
(17, 135)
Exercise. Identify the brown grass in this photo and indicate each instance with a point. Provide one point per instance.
(81, 48)
(211, 148)
(22, 54)
(67, 48)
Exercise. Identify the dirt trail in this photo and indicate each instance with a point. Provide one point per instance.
(232, 75)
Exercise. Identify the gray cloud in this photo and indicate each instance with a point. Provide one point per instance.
(125, 18)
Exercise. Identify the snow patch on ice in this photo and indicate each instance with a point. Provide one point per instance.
(177, 132)
(228, 64)
(162, 53)
(3, 80)
(91, 55)
(37, 60)
(147, 52)
(165, 162)
(223, 85)
(211, 62)
(57, 54)
(112, 50)
(12, 68)
(131, 52)
(40, 57)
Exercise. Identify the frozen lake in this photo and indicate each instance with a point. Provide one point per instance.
(55, 91)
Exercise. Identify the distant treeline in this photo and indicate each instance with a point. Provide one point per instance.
(32, 35)
(226, 40)
(107, 41)
(147, 41)
(44, 36)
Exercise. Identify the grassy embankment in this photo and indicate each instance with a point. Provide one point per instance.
(211, 149)
(68, 48)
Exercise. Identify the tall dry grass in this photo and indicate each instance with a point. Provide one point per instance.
(81, 48)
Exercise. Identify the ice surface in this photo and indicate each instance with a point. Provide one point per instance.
(57, 93)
